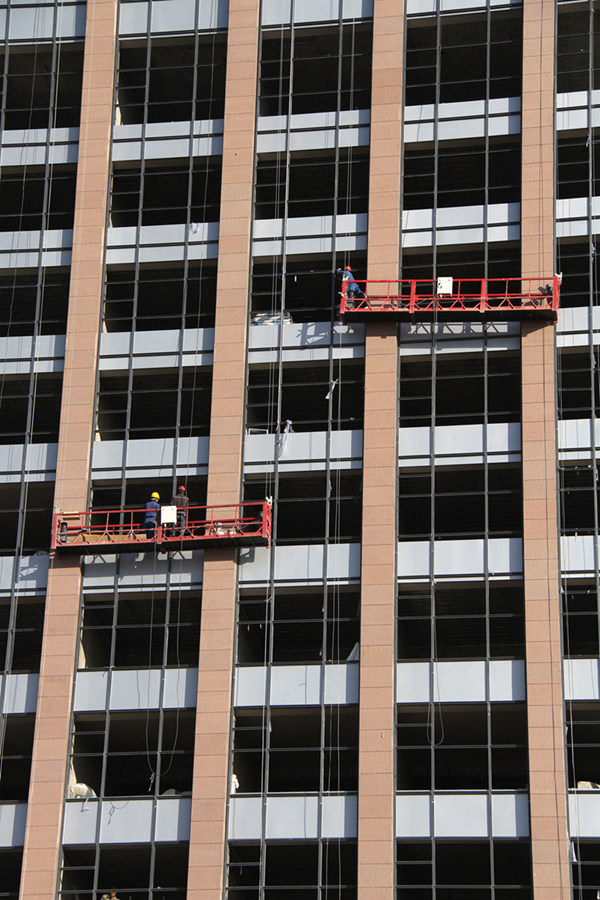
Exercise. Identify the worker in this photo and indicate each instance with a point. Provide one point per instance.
(341, 278)
(150, 512)
(110, 895)
(352, 288)
(181, 501)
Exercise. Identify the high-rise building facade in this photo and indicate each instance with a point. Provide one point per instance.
(379, 676)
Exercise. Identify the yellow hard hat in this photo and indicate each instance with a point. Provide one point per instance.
(155, 496)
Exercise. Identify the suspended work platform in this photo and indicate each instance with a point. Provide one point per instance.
(452, 299)
(123, 531)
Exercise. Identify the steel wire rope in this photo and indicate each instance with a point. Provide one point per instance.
(33, 381)
(130, 393)
(24, 155)
(153, 771)
(575, 843)
(15, 596)
(328, 597)
(47, 201)
(566, 641)
(273, 409)
(116, 114)
(333, 613)
(332, 595)
(55, 66)
(197, 343)
(197, 329)
(266, 625)
(546, 494)
(150, 668)
(434, 675)
(68, 378)
(279, 444)
(433, 686)
(188, 217)
(565, 614)
(485, 445)
(575, 846)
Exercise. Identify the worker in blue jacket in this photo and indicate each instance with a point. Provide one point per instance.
(345, 278)
(150, 513)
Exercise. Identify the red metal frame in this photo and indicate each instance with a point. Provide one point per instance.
(471, 299)
(120, 530)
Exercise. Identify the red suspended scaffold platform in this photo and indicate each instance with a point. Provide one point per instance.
(447, 299)
(122, 531)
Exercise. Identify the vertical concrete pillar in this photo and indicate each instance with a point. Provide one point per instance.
(53, 715)
(549, 842)
(376, 788)
(213, 713)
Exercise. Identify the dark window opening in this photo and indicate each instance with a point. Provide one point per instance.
(322, 76)
(304, 398)
(19, 408)
(171, 80)
(580, 619)
(459, 622)
(307, 752)
(164, 195)
(580, 266)
(133, 753)
(32, 199)
(305, 502)
(10, 866)
(446, 749)
(129, 868)
(18, 300)
(576, 384)
(585, 868)
(136, 492)
(25, 652)
(583, 738)
(467, 175)
(37, 518)
(500, 260)
(293, 867)
(468, 391)
(17, 751)
(243, 870)
(464, 58)
(467, 868)
(310, 291)
(151, 408)
(77, 873)
(166, 298)
(579, 496)
(315, 187)
(142, 631)
(577, 48)
(577, 166)
(35, 99)
(306, 626)
(463, 507)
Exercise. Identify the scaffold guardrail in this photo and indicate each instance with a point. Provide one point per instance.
(451, 299)
(123, 530)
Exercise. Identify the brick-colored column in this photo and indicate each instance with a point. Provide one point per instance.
(548, 817)
(549, 845)
(51, 738)
(213, 713)
(376, 789)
